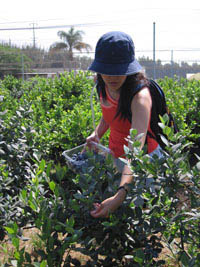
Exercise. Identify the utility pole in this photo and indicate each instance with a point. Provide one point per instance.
(22, 60)
(34, 42)
(172, 62)
(154, 50)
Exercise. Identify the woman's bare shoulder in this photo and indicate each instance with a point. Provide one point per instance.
(142, 95)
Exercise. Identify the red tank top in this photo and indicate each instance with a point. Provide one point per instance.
(120, 128)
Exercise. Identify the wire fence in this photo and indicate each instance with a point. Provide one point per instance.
(24, 63)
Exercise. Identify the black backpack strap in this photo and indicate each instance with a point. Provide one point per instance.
(156, 86)
(137, 89)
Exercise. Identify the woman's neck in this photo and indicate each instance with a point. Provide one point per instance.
(114, 94)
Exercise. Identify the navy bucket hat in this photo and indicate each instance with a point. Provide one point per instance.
(115, 55)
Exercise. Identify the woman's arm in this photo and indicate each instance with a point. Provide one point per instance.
(141, 110)
(99, 131)
(101, 128)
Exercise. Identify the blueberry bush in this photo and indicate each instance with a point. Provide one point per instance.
(42, 118)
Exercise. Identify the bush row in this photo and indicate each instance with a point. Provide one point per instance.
(40, 119)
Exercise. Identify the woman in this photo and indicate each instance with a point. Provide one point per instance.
(119, 75)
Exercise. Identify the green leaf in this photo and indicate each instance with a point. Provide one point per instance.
(56, 191)
(78, 196)
(164, 119)
(9, 230)
(140, 256)
(17, 255)
(15, 242)
(198, 165)
(176, 147)
(48, 169)
(15, 227)
(51, 242)
(42, 165)
(137, 259)
(74, 205)
(52, 186)
(107, 224)
(37, 155)
(126, 149)
(32, 205)
(133, 133)
(184, 258)
(140, 253)
(70, 222)
(165, 141)
(24, 194)
(28, 257)
(138, 137)
(167, 130)
(43, 263)
(161, 125)
(137, 143)
(2, 152)
(58, 228)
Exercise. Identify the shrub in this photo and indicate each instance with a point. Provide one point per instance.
(38, 189)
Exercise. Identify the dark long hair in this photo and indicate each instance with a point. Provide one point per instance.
(127, 92)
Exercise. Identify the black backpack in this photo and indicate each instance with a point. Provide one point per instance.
(159, 108)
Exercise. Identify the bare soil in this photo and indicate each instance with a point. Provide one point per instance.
(33, 242)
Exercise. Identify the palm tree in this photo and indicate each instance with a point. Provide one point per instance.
(71, 40)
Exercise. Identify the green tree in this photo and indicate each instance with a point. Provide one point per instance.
(70, 40)
(12, 59)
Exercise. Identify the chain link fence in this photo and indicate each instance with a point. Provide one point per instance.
(36, 62)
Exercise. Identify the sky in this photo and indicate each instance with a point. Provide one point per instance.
(177, 24)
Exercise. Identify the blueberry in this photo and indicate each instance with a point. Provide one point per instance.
(155, 254)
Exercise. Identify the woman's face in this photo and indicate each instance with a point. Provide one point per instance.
(113, 82)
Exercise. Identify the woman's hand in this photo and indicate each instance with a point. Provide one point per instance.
(92, 138)
(98, 133)
(108, 205)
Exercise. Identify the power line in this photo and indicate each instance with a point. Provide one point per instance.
(52, 27)
(29, 21)
(135, 9)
